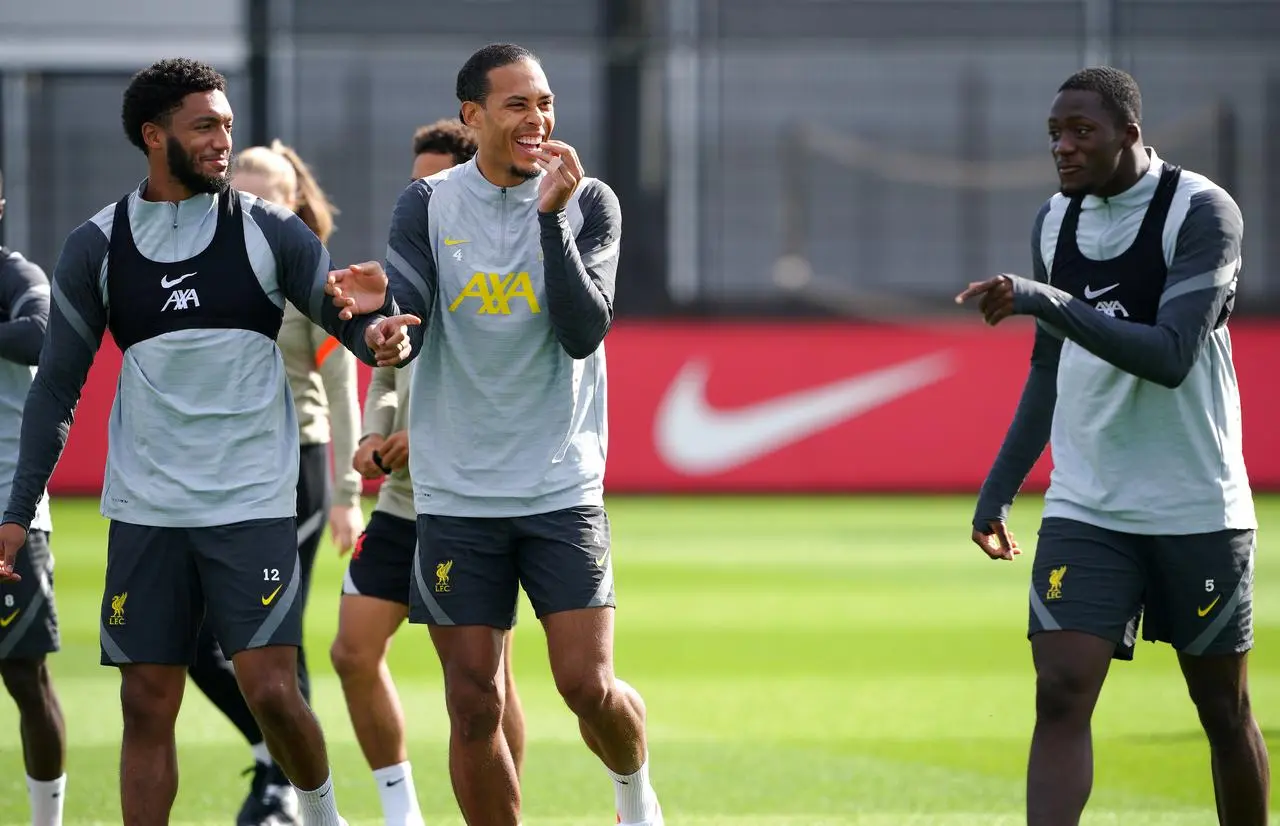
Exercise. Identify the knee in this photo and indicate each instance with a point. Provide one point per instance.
(271, 695)
(1225, 714)
(1064, 695)
(27, 682)
(586, 692)
(150, 698)
(353, 661)
(474, 701)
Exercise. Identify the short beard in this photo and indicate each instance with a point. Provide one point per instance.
(183, 169)
(527, 174)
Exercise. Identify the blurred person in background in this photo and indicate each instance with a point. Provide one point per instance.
(28, 616)
(322, 380)
(1149, 513)
(510, 261)
(375, 590)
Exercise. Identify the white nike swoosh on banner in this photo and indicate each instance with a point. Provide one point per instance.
(694, 438)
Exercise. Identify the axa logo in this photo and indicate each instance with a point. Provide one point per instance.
(181, 300)
(1112, 308)
(495, 292)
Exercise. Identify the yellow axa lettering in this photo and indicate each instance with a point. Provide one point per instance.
(496, 293)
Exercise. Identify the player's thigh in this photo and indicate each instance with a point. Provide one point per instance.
(464, 572)
(1201, 595)
(565, 559)
(1087, 579)
(381, 564)
(152, 601)
(252, 581)
(28, 616)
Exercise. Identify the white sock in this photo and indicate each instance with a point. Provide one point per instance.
(261, 753)
(318, 806)
(636, 799)
(46, 800)
(399, 798)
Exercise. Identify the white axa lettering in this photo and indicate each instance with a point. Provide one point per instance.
(181, 300)
(1112, 308)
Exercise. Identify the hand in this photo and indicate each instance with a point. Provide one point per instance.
(999, 543)
(389, 339)
(345, 524)
(997, 298)
(395, 450)
(564, 171)
(357, 290)
(363, 460)
(12, 537)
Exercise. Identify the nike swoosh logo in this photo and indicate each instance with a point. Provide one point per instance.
(453, 242)
(1204, 611)
(391, 783)
(695, 438)
(1092, 294)
(166, 283)
(267, 599)
(4, 623)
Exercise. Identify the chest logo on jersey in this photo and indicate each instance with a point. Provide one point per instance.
(1112, 308)
(495, 292)
(179, 299)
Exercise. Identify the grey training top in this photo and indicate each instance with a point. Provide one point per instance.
(1144, 419)
(24, 316)
(203, 430)
(508, 403)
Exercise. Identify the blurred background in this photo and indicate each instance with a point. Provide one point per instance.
(805, 186)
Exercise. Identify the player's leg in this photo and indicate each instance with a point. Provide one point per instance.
(151, 609)
(252, 581)
(375, 601)
(567, 570)
(1086, 587)
(215, 676)
(1203, 605)
(512, 708)
(28, 632)
(464, 587)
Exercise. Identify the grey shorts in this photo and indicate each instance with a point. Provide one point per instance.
(468, 571)
(1192, 591)
(28, 617)
(243, 579)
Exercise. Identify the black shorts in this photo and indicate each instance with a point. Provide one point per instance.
(382, 561)
(1192, 591)
(162, 583)
(28, 617)
(468, 571)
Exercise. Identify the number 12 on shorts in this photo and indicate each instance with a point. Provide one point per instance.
(273, 575)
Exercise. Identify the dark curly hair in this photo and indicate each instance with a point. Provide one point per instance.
(473, 77)
(1117, 88)
(446, 137)
(157, 91)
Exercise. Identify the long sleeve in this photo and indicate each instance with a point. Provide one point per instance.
(580, 273)
(24, 306)
(337, 369)
(410, 262)
(302, 266)
(77, 321)
(381, 403)
(1032, 421)
(1201, 281)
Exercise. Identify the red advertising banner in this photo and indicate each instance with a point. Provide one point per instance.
(813, 406)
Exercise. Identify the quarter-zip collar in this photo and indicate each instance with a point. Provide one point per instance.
(1135, 196)
(476, 183)
(189, 212)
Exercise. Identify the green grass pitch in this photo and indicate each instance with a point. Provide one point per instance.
(843, 661)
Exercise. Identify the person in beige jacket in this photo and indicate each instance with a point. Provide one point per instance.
(375, 590)
(323, 383)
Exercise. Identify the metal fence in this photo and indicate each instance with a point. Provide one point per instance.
(855, 157)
